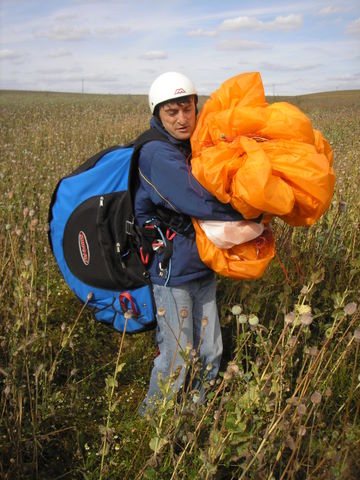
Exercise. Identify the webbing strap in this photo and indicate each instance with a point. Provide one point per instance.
(126, 296)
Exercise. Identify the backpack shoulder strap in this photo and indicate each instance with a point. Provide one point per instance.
(148, 136)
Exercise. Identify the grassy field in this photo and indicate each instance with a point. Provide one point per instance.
(286, 405)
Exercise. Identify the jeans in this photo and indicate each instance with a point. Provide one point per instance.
(187, 317)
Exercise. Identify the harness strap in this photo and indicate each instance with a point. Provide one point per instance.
(126, 296)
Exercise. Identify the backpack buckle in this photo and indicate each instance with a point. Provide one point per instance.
(129, 227)
(162, 271)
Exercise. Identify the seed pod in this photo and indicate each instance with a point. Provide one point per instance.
(306, 319)
(289, 318)
(236, 310)
(253, 320)
(301, 409)
(204, 322)
(316, 398)
(302, 431)
(350, 308)
(242, 319)
(233, 369)
(357, 335)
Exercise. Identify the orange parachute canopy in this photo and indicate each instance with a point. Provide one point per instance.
(262, 159)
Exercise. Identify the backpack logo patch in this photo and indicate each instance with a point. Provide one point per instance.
(84, 248)
(178, 91)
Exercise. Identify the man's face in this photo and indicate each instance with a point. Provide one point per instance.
(179, 118)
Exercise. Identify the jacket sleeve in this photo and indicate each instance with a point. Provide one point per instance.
(166, 176)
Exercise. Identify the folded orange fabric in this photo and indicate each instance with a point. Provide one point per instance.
(262, 159)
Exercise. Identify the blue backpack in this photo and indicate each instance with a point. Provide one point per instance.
(100, 250)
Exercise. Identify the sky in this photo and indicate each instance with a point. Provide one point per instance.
(121, 46)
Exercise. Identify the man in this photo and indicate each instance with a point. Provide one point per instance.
(184, 288)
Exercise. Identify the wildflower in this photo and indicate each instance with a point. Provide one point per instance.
(350, 308)
(227, 376)
(242, 319)
(184, 312)
(161, 311)
(292, 341)
(316, 398)
(8, 226)
(302, 431)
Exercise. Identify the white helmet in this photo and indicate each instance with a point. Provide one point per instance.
(168, 86)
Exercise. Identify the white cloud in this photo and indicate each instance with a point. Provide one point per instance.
(9, 54)
(113, 30)
(290, 22)
(329, 10)
(346, 78)
(240, 23)
(60, 32)
(239, 44)
(154, 55)
(64, 16)
(287, 68)
(12, 55)
(353, 27)
(202, 33)
(61, 52)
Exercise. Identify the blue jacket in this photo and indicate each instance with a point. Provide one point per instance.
(165, 180)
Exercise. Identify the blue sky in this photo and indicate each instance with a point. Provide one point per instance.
(120, 46)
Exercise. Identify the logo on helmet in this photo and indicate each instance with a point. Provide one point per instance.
(178, 91)
(84, 248)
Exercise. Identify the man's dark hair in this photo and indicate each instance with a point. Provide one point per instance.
(178, 101)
